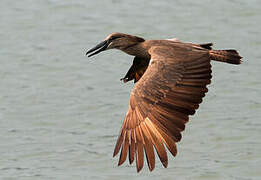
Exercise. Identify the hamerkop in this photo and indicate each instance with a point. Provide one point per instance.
(171, 79)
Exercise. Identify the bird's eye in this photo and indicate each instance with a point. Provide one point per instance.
(113, 38)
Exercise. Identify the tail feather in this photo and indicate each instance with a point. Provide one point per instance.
(230, 56)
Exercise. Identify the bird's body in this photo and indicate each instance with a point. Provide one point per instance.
(171, 79)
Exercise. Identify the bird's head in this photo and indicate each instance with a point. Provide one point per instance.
(115, 41)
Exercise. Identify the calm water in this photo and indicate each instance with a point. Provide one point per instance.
(60, 112)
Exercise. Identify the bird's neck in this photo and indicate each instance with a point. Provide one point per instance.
(139, 49)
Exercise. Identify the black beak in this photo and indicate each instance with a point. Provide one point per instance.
(100, 47)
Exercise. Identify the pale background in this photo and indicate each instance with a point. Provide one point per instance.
(61, 112)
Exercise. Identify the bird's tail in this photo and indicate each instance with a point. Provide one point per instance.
(230, 56)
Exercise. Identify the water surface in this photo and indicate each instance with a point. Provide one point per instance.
(60, 112)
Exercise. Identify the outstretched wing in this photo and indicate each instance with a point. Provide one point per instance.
(170, 90)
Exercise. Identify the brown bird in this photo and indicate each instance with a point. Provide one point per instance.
(171, 79)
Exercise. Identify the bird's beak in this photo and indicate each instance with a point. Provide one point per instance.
(100, 47)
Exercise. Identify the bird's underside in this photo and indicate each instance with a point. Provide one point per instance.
(170, 85)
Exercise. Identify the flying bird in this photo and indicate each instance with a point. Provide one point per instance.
(171, 78)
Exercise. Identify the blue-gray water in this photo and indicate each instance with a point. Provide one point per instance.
(61, 112)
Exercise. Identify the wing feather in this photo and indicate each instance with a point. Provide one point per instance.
(132, 147)
(139, 149)
(124, 149)
(168, 92)
(149, 152)
(157, 142)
